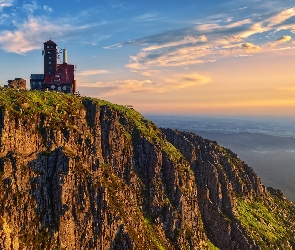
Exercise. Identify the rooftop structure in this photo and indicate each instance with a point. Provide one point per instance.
(56, 77)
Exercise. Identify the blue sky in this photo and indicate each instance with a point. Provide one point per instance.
(182, 57)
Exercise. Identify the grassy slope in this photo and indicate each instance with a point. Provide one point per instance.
(59, 109)
(269, 222)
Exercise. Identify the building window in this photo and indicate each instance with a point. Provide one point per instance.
(49, 57)
(49, 62)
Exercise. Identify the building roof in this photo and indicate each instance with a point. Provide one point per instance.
(50, 42)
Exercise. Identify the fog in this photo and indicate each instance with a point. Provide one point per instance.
(266, 144)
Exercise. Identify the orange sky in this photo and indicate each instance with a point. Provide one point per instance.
(262, 84)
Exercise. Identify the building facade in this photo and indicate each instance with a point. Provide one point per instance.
(56, 77)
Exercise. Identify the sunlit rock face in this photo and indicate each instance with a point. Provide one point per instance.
(81, 173)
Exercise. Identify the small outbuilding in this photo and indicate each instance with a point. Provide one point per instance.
(17, 83)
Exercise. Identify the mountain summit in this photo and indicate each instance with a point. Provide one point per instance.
(82, 173)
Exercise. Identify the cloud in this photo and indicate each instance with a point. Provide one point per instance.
(284, 39)
(239, 23)
(250, 47)
(92, 72)
(181, 81)
(285, 48)
(96, 40)
(159, 84)
(5, 3)
(3, 18)
(41, 28)
(34, 27)
(208, 42)
(175, 57)
(244, 55)
(239, 9)
(123, 86)
(280, 41)
(47, 8)
(185, 41)
(158, 39)
(150, 72)
(119, 4)
(281, 17)
(256, 28)
(148, 17)
(30, 7)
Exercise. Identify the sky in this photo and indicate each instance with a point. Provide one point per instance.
(189, 57)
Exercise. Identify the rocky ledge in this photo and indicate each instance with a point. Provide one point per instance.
(81, 173)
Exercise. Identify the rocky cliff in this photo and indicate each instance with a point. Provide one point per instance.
(81, 173)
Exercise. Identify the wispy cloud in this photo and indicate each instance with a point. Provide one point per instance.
(47, 8)
(92, 72)
(148, 17)
(280, 17)
(96, 40)
(41, 28)
(239, 9)
(30, 7)
(186, 40)
(5, 3)
(122, 86)
(159, 84)
(250, 47)
(119, 4)
(3, 18)
(284, 39)
(280, 41)
(180, 81)
(207, 42)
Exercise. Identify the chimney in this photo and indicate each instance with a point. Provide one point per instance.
(65, 56)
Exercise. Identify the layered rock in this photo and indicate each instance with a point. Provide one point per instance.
(219, 177)
(80, 173)
(93, 180)
(225, 186)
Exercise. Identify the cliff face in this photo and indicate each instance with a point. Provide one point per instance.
(220, 175)
(80, 173)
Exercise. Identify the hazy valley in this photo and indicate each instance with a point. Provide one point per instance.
(266, 144)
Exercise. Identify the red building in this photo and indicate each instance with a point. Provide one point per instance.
(56, 77)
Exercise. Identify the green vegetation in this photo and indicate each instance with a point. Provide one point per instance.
(58, 109)
(152, 233)
(266, 221)
(52, 105)
(147, 128)
(117, 203)
(211, 246)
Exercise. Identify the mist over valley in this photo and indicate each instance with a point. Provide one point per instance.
(266, 144)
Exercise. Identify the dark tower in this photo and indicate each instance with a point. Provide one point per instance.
(50, 57)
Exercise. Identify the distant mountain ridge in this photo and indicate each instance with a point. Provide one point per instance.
(82, 173)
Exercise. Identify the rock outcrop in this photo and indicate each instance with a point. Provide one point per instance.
(81, 173)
